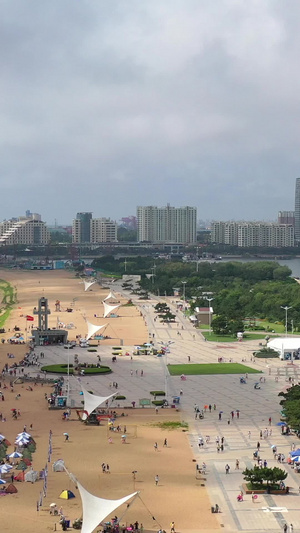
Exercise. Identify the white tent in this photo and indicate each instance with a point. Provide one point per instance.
(109, 308)
(59, 466)
(284, 345)
(111, 296)
(95, 509)
(92, 329)
(31, 476)
(88, 284)
(91, 401)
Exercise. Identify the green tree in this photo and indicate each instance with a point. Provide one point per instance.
(219, 325)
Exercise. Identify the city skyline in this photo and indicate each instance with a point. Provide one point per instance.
(149, 103)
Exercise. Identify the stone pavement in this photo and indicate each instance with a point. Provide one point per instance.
(269, 512)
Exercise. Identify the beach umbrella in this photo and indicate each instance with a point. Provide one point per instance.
(15, 455)
(281, 424)
(52, 505)
(273, 446)
(21, 442)
(2, 482)
(24, 434)
(5, 468)
(2, 437)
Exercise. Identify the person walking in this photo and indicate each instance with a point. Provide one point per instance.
(165, 443)
(285, 528)
(156, 479)
(237, 464)
(172, 527)
(227, 468)
(155, 446)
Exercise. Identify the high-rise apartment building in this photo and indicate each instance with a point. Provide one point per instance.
(24, 230)
(286, 217)
(297, 210)
(82, 228)
(247, 234)
(86, 229)
(103, 230)
(167, 224)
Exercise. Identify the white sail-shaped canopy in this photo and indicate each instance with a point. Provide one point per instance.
(111, 296)
(88, 284)
(91, 401)
(95, 509)
(92, 329)
(109, 308)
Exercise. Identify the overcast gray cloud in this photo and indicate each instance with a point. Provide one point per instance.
(106, 105)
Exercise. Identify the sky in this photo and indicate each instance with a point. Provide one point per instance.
(110, 104)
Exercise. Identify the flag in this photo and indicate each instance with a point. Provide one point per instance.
(29, 318)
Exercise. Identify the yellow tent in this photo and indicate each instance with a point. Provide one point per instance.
(67, 495)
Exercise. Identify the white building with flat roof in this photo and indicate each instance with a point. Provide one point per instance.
(253, 234)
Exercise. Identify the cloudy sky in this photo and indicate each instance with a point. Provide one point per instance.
(110, 104)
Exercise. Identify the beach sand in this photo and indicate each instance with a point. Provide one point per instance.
(179, 496)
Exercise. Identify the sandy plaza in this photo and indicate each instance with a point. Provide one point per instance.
(180, 495)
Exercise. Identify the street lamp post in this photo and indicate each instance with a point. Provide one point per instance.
(209, 314)
(286, 308)
(183, 293)
(165, 346)
(68, 380)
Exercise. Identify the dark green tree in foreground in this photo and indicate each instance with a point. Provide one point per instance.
(291, 406)
(257, 476)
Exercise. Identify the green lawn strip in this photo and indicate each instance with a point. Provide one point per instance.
(170, 425)
(212, 337)
(213, 368)
(268, 326)
(5, 316)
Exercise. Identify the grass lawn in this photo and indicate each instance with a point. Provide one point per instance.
(269, 326)
(229, 338)
(213, 368)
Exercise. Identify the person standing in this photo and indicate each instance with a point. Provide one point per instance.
(156, 479)
(227, 468)
(237, 464)
(172, 527)
(155, 446)
(285, 528)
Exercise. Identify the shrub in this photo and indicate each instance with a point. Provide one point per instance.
(120, 397)
(157, 393)
(63, 369)
(92, 349)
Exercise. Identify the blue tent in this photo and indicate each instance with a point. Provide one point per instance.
(295, 453)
